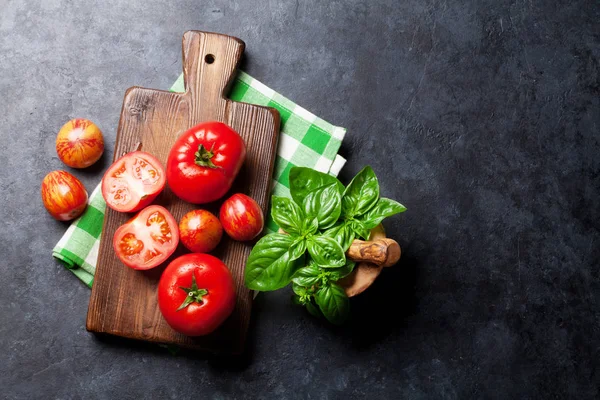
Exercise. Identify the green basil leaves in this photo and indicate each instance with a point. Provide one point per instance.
(333, 303)
(271, 263)
(324, 204)
(287, 215)
(325, 251)
(361, 194)
(305, 180)
(320, 221)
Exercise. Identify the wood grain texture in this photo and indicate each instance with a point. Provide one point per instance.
(365, 272)
(124, 301)
(382, 252)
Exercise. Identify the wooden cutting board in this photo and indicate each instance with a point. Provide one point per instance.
(124, 301)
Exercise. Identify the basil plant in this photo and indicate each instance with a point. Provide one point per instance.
(320, 222)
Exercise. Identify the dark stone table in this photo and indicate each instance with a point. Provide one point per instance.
(482, 117)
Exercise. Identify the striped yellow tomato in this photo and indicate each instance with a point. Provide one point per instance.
(79, 143)
(64, 196)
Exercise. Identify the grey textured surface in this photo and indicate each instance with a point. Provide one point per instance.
(482, 117)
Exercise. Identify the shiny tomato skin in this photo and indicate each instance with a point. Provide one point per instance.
(147, 239)
(225, 152)
(200, 231)
(63, 195)
(241, 217)
(79, 143)
(133, 182)
(196, 319)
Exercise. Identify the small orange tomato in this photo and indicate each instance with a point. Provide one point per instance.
(241, 217)
(200, 231)
(79, 143)
(64, 196)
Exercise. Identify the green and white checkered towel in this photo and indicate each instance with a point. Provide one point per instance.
(305, 141)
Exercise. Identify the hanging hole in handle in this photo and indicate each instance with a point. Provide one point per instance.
(209, 59)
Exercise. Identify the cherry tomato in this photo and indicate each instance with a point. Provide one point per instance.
(241, 217)
(79, 143)
(204, 161)
(133, 182)
(148, 239)
(200, 231)
(64, 196)
(196, 294)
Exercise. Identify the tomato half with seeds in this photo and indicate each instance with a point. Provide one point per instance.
(148, 239)
(133, 182)
(204, 161)
(196, 294)
(241, 217)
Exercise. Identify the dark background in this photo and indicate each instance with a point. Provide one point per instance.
(482, 117)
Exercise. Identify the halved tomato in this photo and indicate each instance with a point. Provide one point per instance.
(148, 239)
(133, 181)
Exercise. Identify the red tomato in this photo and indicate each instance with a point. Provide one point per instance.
(64, 196)
(196, 294)
(79, 143)
(147, 239)
(200, 231)
(133, 181)
(204, 161)
(241, 217)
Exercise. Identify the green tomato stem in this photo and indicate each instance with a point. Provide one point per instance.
(204, 156)
(194, 295)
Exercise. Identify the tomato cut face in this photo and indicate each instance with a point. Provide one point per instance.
(147, 239)
(133, 181)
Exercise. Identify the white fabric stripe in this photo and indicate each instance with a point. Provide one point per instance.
(305, 114)
(337, 165)
(287, 147)
(92, 257)
(339, 133)
(65, 238)
(267, 91)
(323, 164)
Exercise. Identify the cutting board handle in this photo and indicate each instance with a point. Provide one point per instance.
(209, 64)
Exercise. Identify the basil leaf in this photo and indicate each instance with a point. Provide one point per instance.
(298, 248)
(305, 180)
(300, 290)
(271, 265)
(361, 194)
(325, 203)
(307, 276)
(360, 230)
(287, 215)
(313, 310)
(334, 303)
(384, 208)
(343, 271)
(343, 234)
(325, 251)
(311, 225)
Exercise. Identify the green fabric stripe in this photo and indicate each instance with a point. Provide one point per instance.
(92, 223)
(238, 91)
(74, 258)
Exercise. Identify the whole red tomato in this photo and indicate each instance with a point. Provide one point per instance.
(204, 161)
(64, 196)
(196, 294)
(79, 143)
(133, 181)
(148, 239)
(241, 217)
(200, 231)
